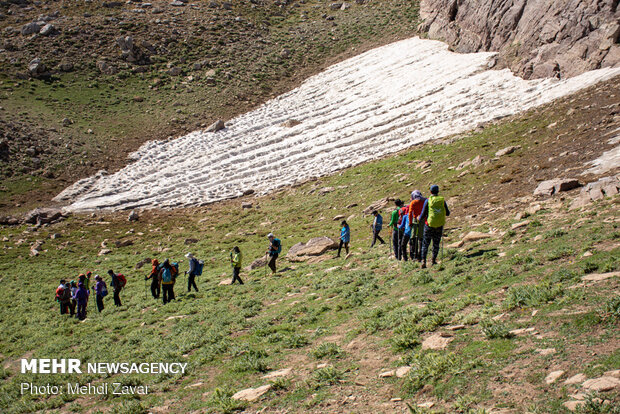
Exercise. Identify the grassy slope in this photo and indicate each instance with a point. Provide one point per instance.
(270, 50)
(360, 316)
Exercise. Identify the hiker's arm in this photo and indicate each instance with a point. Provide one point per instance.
(392, 222)
(424, 211)
(447, 210)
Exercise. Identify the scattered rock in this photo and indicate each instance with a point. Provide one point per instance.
(106, 68)
(378, 205)
(602, 384)
(35, 248)
(576, 379)
(278, 374)
(47, 30)
(189, 241)
(456, 327)
(436, 341)
(475, 236)
(456, 244)
(614, 373)
(260, 262)
(123, 243)
(520, 224)
(216, 126)
(225, 282)
(606, 186)
(387, 374)
(246, 205)
(314, 247)
(507, 150)
(550, 187)
(402, 371)
(251, 394)
(37, 68)
(133, 216)
(175, 71)
(553, 376)
(339, 217)
(103, 252)
(141, 263)
(30, 28)
(326, 190)
(546, 351)
(44, 216)
(573, 405)
(597, 277)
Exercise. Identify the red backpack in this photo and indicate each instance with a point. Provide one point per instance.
(121, 280)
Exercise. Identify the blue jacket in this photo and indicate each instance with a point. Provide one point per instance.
(378, 223)
(345, 234)
(404, 225)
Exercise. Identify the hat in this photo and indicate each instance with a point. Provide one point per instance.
(189, 255)
(97, 277)
(270, 235)
(89, 273)
(434, 189)
(416, 195)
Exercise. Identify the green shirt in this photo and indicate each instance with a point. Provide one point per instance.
(394, 219)
(236, 259)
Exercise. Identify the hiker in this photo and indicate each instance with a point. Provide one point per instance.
(434, 211)
(345, 237)
(193, 265)
(85, 279)
(275, 247)
(394, 225)
(417, 226)
(101, 290)
(61, 296)
(402, 212)
(405, 228)
(117, 285)
(235, 261)
(154, 276)
(166, 278)
(81, 296)
(73, 301)
(377, 225)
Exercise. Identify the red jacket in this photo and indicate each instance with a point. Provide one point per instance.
(415, 209)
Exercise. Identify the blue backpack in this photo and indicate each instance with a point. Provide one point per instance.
(198, 265)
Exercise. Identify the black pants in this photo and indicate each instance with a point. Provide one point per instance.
(375, 237)
(81, 310)
(99, 303)
(417, 238)
(434, 234)
(403, 247)
(346, 247)
(236, 276)
(191, 281)
(72, 306)
(64, 308)
(155, 289)
(272, 262)
(396, 242)
(167, 292)
(117, 297)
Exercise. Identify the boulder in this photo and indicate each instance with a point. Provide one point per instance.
(251, 394)
(475, 236)
(44, 216)
(47, 30)
(326, 190)
(436, 341)
(576, 379)
(30, 28)
(553, 376)
(314, 247)
(550, 187)
(216, 126)
(602, 384)
(606, 186)
(278, 374)
(133, 216)
(260, 262)
(507, 150)
(37, 68)
(378, 205)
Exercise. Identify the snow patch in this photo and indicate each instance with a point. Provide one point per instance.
(377, 103)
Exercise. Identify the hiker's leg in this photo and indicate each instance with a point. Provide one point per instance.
(395, 243)
(340, 248)
(379, 237)
(272, 263)
(194, 283)
(425, 243)
(164, 293)
(99, 303)
(437, 232)
(154, 291)
(404, 243)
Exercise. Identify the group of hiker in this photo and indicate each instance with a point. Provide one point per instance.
(414, 226)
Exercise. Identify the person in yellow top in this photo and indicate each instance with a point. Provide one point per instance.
(235, 261)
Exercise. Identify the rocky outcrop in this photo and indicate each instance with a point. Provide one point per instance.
(534, 38)
(314, 247)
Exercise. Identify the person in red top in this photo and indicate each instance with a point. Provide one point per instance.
(154, 276)
(417, 228)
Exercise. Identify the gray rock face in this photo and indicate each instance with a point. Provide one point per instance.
(550, 187)
(44, 216)
(36, 67)
(534, 38)
(217, 126)
(31, 28)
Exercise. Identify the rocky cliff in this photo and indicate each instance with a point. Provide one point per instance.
(534, 38)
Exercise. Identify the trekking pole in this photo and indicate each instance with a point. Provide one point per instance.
(443, 237)
(145, 296)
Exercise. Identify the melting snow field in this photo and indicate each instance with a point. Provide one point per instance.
(368, 106)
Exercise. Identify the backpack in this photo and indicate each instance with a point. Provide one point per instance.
(436, 211)
(65, 295)
(122, 280)
(174, 270)
(403, 211)
(278, 243)
(104, 291)
(59, 292)
(198, 265)
(166, 276)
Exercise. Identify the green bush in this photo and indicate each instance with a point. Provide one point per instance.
(327, 350)
(493, 330)
(531, 295)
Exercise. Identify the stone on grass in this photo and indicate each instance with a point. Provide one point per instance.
(475, 236)
(251, 394)
(553, 376)
(507, 150)
(387, 374)
(278, 374)
(402, 371)
(602, 384)
(597, 277)
(576, 379)
(550, 187)
(216, 126)
(436, 341)
(314, 247)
